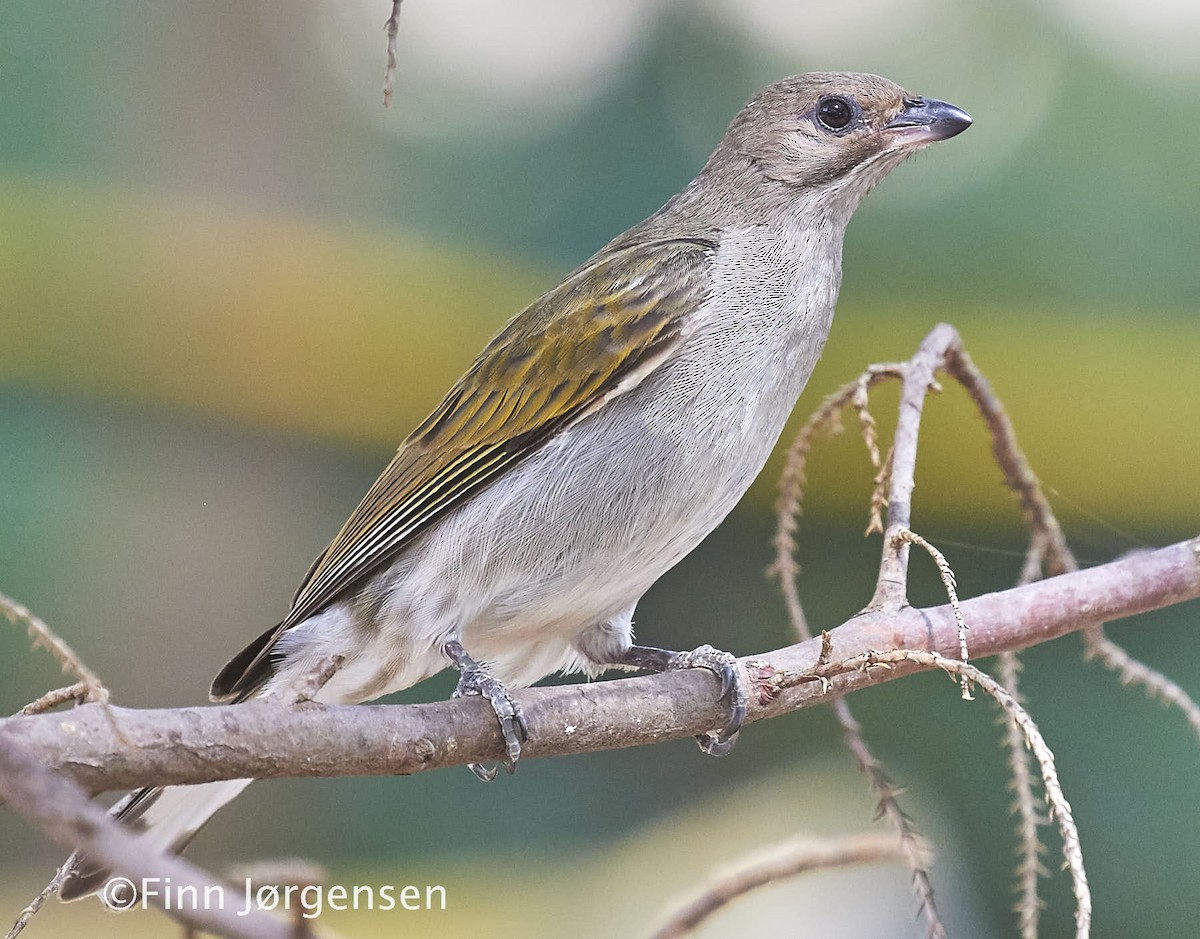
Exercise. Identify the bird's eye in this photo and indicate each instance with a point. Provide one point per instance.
(835, 113)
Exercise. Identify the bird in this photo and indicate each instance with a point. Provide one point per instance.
(602, 434)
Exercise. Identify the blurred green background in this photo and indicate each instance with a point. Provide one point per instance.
(230, 283)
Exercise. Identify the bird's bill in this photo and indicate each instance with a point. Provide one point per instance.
(925, 121)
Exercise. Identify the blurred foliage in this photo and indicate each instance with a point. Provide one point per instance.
(230, 283)
(355, 334)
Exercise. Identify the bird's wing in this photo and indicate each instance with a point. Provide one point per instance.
(593, 337)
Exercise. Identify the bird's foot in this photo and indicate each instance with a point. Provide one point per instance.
(735, 686)
(475, 679)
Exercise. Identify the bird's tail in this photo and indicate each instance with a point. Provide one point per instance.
(166, 819)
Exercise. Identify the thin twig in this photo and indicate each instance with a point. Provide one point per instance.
(1050, 543)
(911, 845)
(891, 588)
(1060, 808)
(35, 904)
(778, 862)
(1030, 848)
(1130, 671)
(1018, 474)
(306, 687)
(951, 586)
(825, 420)
(77, 692)
(879, 498)
(791, 491)
(47, 639)
(392, 28)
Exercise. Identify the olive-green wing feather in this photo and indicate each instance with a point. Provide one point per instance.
(591, 338)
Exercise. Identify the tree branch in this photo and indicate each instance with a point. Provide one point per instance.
(261, 739)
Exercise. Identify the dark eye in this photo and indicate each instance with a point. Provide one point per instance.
(835, 113)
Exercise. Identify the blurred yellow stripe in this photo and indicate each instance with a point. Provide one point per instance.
(291, 323)
(356, 334)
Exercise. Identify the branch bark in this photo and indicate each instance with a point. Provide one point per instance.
(122, 748)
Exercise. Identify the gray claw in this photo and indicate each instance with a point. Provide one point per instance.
(473, 680)
(735, 688)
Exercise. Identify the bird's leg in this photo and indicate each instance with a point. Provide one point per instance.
(474, 679)
(735, 686)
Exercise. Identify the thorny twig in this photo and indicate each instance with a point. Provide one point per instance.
(791, 493)
(825, 420)
(911, 845)
(1060, 808)
(1049, 545)
(1049, 553)
(951, 586)
(942, 349)
(1029, 819)
(47, 639)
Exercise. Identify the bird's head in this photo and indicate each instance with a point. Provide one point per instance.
(836, 131)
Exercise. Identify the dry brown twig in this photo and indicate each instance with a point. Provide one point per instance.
(912, 847)
(917, 380)
(1130, 671)
(770, 865)
(1051, 547)
(1029, 851)
(1048, 553)
(392, 29)
(43, 636)
(826, 420)
(1059, 806)
(942, 349)
(77, 692)
(32, 907)
(951, 586)
(755, 872)
(1029, 844)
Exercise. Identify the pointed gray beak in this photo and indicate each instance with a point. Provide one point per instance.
(926, 120)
